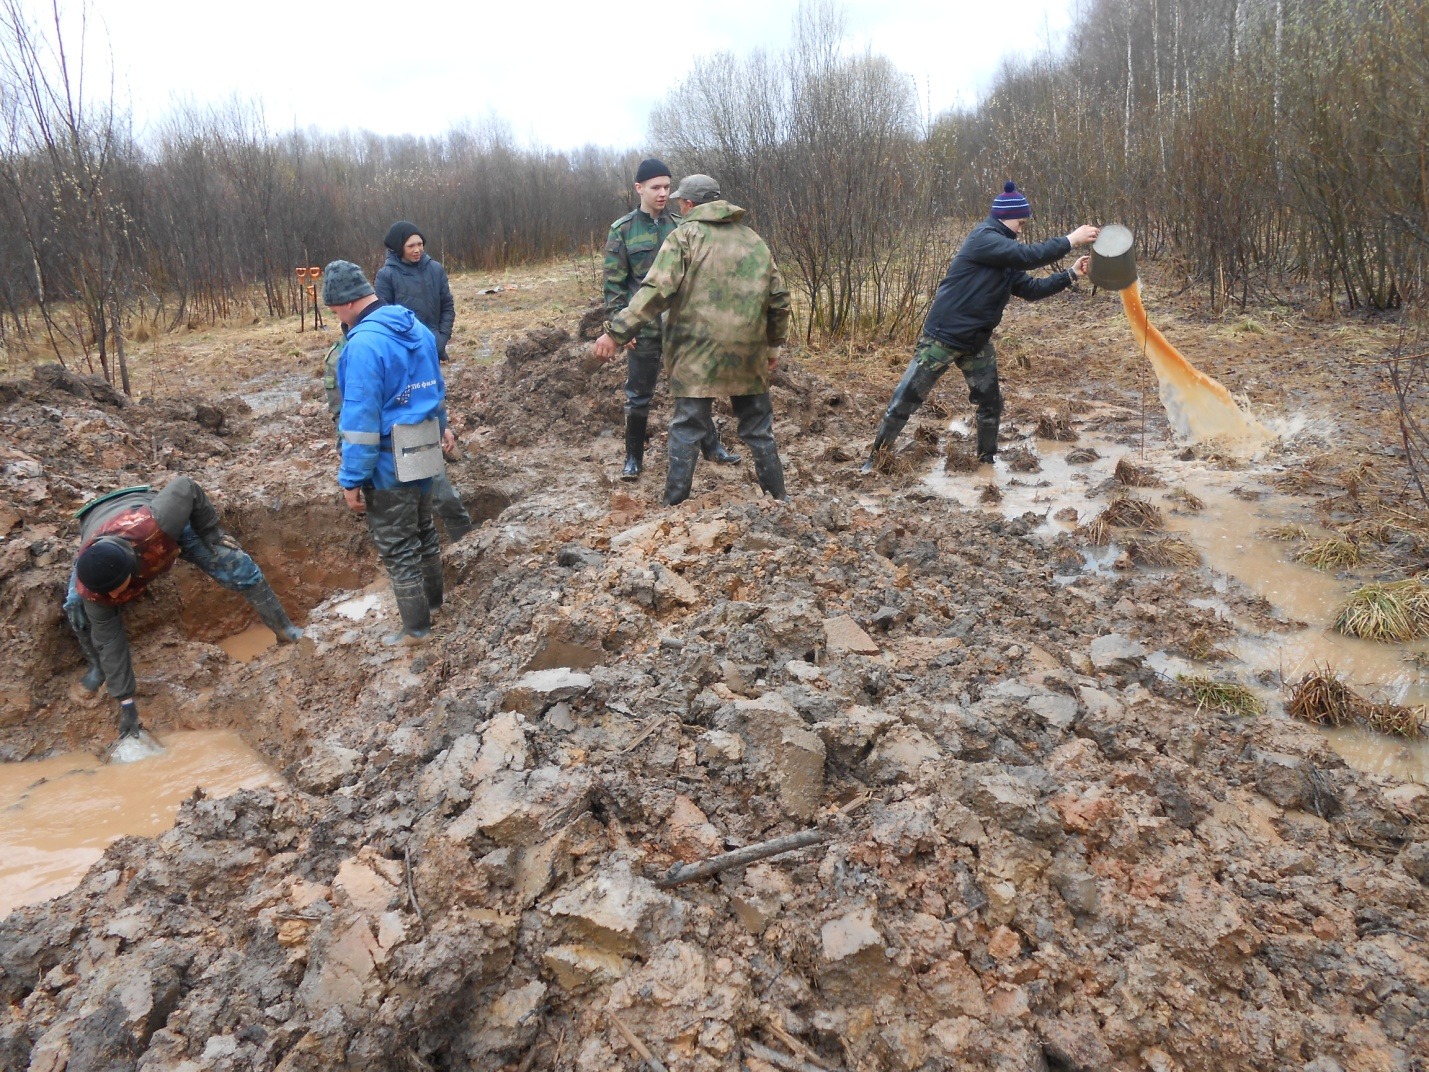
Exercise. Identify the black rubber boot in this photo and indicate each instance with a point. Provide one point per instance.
(912, 391)
(265, 602)
(681, 474)
(635, 426)
(93, 677)
(987, 439)
(770, 471)
(416, 615)
(433, 583)
(713, 450)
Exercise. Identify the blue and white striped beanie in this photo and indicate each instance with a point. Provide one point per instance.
(1010, 204)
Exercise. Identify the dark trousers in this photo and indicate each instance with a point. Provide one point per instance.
(693, 423)
(400, 520)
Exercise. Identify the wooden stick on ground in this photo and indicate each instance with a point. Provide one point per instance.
(739, 857)
(794, 1044)
(779, 1060)
(639, 1047)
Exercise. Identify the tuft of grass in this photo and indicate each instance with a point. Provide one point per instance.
(1022, 460)
(1131, 475)
(1323, 698)
(1129, 512)
(1228, 697)
(1168, 553)
(1187, 500)
(1285, 533)
(1082, 455)
(1395, 613)
(990, 494)
(960, 458)
(1096, 532)
(1334, 553)
(1055, 426)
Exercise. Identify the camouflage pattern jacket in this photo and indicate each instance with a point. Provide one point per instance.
(726, 301)
(630, 249)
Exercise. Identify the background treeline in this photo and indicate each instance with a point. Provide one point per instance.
(1265, 146)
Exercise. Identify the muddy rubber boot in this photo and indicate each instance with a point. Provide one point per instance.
(713, 450)
(93, 677)
(265, 602)
(447, 505)
(888, 430)
(681, 474)
(433, 583)
(416, 616)
(987, 439)
(635, 425)
(129, 719)
(770, 471)
(912, 391)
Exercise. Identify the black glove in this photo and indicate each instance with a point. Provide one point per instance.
(129, 718)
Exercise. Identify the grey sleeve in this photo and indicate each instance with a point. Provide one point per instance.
(182, 502)
(106, 630)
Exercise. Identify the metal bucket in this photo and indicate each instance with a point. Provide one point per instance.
(1113, 264)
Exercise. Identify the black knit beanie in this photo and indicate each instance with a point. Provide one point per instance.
(651, 168)
(398, 234)
(106, 564)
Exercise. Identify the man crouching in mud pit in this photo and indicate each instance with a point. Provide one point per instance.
(989, 268)
(630, 249)
(394, 428)
(130, 537)
(728, 310)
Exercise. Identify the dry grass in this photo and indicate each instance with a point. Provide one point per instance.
(1169, 553)
(1285, 533)
(1022, 460)
(1128, 512)
(1096, 532)
(1051, 425)
(1082, 456)
(960, 457)
(1395, 613)
(990, 494)
(1228, 697)
(1187, 500)
(1131, 475)
(1323, 698)
(1330, 554)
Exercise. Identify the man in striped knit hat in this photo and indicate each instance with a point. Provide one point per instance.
(989, 268)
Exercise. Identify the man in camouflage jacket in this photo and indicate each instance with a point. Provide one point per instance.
(726, 310)
(630, 249)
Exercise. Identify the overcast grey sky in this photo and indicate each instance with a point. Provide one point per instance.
(561, 74)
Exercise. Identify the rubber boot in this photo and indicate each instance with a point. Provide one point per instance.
(93, 678)
(433, 583)
(265, 602)
(682, 473)
(987, 439)
(770, 471)
(635, 425)
(416, 615)
(912, 391)
(714, 450)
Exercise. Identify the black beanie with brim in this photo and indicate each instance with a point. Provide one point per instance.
(106, 564)
(398, 234)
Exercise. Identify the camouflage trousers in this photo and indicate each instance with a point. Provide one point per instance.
(979, 371)
(400, 521)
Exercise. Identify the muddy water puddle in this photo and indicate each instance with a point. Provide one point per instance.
(248, 645)
(1239, 560)
(59, 814)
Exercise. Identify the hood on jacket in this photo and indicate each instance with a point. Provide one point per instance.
(720, 211)
(395, 320)
(394, 260)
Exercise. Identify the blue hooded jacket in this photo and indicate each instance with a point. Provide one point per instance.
(388, 374)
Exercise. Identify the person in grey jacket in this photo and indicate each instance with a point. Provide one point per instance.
(412, 279)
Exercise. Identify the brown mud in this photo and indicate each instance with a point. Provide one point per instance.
(1040, 855)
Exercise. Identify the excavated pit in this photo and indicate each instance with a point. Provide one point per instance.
(1038, 854)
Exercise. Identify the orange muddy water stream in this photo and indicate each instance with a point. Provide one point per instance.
(1199, 407)
(57, 815)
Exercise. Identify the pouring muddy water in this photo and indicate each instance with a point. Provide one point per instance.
(1198, 406)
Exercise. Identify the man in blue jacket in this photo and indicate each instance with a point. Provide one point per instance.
(393, 428)
(989, 268)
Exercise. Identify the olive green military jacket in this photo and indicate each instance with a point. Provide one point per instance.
(630, 249)
(725, 302)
